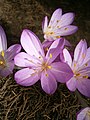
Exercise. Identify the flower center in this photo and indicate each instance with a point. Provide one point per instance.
(78, 75)
(45, 66)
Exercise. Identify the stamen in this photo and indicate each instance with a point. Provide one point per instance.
(46, 75)
(65, 28)
(75, 64)
(49, 67)
(51, 33)
(1, 62)
(58, 21)
(47, 49)
(57, 37)
(50, 55)
(78, 74)
(85, 76)
(2, 53)
(86, 64)
(49, 26)
(58, 26)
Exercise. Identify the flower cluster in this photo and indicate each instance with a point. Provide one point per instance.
(50, 62)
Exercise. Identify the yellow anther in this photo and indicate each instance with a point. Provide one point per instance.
(86, 64)
(2, 53)
(65, 28)
(85, 76)
(1, 62)
(58, 26)
(40, 57)
(50, 55)
(49, 26)
(58, 21)
(46, 75)
(57, 36)
(51, 33)
(47, 49)
(75, 64)
(49, 67)
(78, 74)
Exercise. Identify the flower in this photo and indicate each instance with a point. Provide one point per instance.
(81, 68)
(84, 114)
(7, 55)
(59, 25)
(38, 66)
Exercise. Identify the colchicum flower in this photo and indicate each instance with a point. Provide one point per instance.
(84, 114)
(81, 68)
(7, 55)
(59, 25)
(38, 66)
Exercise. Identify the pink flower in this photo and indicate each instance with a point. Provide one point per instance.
(84, 114)
(81, 68)
(7, 55)
(38, 66)
(59, 25)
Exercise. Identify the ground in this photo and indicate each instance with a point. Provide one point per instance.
(31, 103)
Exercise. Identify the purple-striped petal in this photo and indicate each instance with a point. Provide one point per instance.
(46, 44)
(66, 19)
(55, 49)
(7, 70)
(48, 82)
(67, 30)
(61, 71)
(87, 57)
(3, 40)
(84, 114)
(83, 85)
(26, 77)
(80, 52)
(55, 16)
(22, 60)
(12, 51)
(31, 43)
(67, 57)
(45, 24)
(71, 84)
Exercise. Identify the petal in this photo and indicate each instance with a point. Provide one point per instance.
(31, 43)
(55, 49)
(66, 19)
(55, 16)
(3, 40)
(83, 113)
(48, 82)
(71, 84)
(67, 57)
(26, 77)
(12, 51)
(45, 24)
(22, 60)
(61, 71)
(7, 70)
(67, 43)
(87, 57)
(80, 52)
(46, 44)
(83, 85)
(67, 30)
